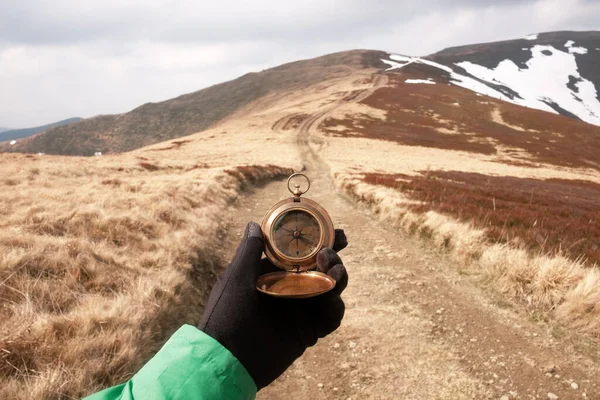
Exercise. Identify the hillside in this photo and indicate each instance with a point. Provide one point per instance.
(96, 284)
(14, 134)
(472, 223)
(554, 72)
(190, 113)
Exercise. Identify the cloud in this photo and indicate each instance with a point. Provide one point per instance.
(60, 59)
(68, 21)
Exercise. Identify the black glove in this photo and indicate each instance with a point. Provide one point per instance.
(264, 333)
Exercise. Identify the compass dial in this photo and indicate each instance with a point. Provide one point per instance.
(297, 234)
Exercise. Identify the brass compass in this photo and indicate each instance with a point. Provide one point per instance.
(295, 230)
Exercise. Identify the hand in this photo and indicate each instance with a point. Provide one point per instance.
(266, 334)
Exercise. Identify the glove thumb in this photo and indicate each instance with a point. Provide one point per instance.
(245, 266)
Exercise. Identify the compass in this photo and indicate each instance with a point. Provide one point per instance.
(295, 230)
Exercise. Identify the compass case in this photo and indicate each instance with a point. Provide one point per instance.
(276, 255)
(297, 280)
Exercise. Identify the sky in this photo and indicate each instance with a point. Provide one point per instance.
(79, 58)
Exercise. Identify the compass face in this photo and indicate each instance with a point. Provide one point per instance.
(297, 234)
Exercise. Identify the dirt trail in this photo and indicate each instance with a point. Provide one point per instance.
(415, 327)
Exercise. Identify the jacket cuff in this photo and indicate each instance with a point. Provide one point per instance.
(193, 365)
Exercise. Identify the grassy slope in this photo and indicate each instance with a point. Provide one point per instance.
(532, 203)
(511, 191)
(102, 258)
(190, 113)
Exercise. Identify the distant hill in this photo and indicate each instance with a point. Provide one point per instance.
(157, 122)
(14, 134)
(555, 72)
(5, 129)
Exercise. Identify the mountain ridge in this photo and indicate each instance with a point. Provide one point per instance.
(542, 36)
(193, 112)
(482, 65)
(14, 134)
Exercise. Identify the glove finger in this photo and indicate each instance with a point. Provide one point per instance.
(245, 266)
(339, 273)
(341, 241)
(329, 316)
(266, 267)
(326, 259)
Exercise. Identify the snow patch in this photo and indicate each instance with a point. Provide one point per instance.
(578, 50)
(429, 82)
(544, 81)
(98, 154)
(403, 61)
(531, 37)
(398, 62)
(575, 50)
(13, 142)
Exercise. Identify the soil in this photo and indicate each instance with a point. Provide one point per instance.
(417, 326)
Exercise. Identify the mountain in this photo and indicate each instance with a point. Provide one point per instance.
(14, 134)
(190, 113)
(554, 72)
(5, 129)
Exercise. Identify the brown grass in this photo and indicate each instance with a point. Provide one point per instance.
(555, 216)
(553, 284)
(101, 259)
(453, 118)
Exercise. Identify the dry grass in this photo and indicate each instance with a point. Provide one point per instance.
(447, 117)
(512, 192)
(544, 216)
(567, 288)
(101, 259)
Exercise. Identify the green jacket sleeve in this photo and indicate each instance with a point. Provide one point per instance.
(191, 365)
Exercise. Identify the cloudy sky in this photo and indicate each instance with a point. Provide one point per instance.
(68, 58)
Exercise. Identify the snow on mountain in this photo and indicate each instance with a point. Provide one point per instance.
(546, 80)
(397, 62)
(554, 72)
(426, 81)
(551, 77)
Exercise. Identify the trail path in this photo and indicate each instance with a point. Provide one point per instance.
(415, 327)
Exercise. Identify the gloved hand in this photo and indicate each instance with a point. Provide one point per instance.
(264, 333)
